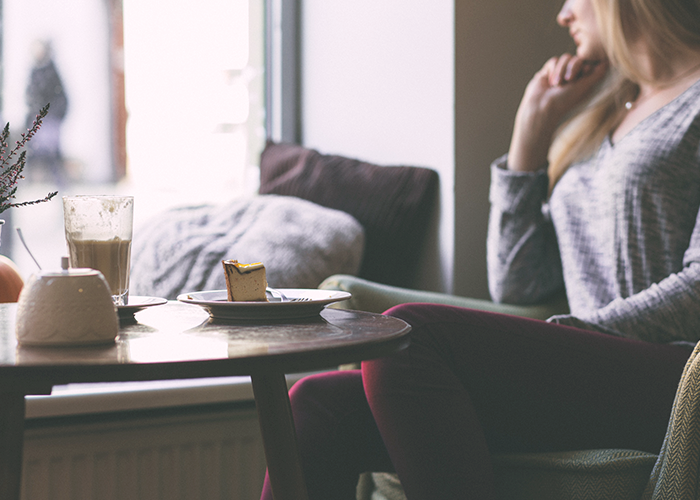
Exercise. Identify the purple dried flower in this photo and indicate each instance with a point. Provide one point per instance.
(11, 173)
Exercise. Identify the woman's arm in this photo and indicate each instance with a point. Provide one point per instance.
(666, 311)
(523, 260)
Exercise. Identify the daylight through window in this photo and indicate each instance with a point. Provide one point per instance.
(160, 99)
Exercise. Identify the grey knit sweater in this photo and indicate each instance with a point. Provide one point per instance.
(620, 231)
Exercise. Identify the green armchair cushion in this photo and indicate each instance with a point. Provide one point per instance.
(676, 474)
(580, 475)
(377, 298)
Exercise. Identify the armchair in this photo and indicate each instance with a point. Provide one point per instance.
(606, 474)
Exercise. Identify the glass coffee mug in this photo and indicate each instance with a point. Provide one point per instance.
(98, 234)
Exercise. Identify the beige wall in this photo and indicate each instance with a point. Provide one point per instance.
(432, 83)
(499, 44)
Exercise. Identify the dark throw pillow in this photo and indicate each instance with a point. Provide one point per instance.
(393, 203)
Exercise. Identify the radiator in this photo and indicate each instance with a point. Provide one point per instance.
(191, 456)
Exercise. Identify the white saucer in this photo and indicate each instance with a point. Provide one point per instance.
(301, 303)
(138, 302)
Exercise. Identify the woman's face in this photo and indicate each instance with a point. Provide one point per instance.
(578, 16)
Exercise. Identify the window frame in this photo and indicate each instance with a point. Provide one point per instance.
(283, 71)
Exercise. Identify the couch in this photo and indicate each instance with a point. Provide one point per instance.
(607, 474)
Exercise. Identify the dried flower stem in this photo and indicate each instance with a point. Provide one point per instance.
(11, 173)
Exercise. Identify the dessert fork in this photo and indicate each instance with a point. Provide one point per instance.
(275, 293)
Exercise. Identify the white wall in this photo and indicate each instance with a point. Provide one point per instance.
(377, 84)
(499, 45)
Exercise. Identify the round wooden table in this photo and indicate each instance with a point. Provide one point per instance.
(177, 341)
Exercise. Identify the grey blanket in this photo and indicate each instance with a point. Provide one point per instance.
(300, 243)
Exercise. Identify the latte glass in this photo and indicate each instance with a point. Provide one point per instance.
(98, 234)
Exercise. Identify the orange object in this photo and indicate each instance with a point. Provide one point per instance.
(11, 281)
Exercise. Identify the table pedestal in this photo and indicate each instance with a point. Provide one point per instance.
(279, 436)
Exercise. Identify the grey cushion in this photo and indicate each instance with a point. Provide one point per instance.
(300, 243)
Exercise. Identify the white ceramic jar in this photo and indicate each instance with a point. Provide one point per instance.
(66, 307)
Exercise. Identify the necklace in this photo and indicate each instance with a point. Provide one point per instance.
(630, 104)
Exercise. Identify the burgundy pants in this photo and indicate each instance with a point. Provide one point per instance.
(474, 383)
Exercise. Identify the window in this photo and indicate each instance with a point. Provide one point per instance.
(194, 83)
(164, 99)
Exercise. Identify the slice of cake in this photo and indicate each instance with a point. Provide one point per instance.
(245, 282)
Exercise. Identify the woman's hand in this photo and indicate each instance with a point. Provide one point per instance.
(561, 84)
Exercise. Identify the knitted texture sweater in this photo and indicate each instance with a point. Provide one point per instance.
(620, 231)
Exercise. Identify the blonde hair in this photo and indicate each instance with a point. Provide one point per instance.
(670, 26)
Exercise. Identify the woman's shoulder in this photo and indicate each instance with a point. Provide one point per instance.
(686, 104)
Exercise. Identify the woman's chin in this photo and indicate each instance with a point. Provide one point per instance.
(590, 55)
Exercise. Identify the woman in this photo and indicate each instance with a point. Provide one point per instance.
(605, 205)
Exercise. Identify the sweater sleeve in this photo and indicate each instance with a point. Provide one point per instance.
(524, 266)
(664, 312)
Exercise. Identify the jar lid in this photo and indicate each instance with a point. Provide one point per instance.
(67, 271)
